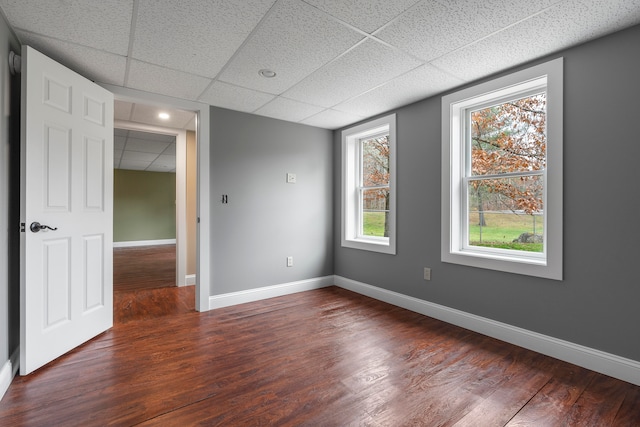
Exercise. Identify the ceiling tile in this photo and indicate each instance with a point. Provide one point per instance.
(533, 38)
(200, 35)
(151, 78)
(431, 29)
(136, 156)
(367, 16)
(293, 40)
(96, 65)
(364, 67)
(119, 142)
(237, 98)
(133, 164)
(498, 14)
(331, 119)
(165, 160)
(413, 86)
(145, 146)
(600, 17)
(288, 109)
(98, 24)
(170, 150)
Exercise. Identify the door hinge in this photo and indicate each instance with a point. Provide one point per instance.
(22, 227)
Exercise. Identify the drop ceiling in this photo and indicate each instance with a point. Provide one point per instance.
(144, 151)
(336, 61)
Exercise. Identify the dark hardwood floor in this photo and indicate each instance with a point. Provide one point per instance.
(327, 357)
(144, 267)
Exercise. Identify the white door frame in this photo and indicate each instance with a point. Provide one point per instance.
(181, 188)
(203, 209)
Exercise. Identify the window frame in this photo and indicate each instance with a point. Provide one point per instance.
(455, 107)
(352, 210)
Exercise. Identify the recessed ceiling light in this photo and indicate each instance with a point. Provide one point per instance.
(269, 74)
(164, 116)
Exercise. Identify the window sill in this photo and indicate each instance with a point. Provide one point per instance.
(374, 245)
(529, 266)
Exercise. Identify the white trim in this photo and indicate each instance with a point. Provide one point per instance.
(454, 105)
(350, 175)
(595, 360)
(189, 279)
(241, 297)
(133, 243)
(8, 372)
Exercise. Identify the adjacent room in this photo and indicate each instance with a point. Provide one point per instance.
(353, 212)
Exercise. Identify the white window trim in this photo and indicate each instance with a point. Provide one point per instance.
(350, 176)
(549, 264)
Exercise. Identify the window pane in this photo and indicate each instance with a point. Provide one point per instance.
(507, 213)
(375, 161)
(509, 137)
(375, 212)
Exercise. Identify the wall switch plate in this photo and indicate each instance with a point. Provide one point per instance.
(289, 261)
(291, 178)
(427, 273)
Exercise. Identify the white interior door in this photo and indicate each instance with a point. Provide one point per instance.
(66, 275)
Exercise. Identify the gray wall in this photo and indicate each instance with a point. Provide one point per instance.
(266, 219)
(9, 214)
(597, 303)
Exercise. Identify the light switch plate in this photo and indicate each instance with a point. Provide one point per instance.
(291, 178)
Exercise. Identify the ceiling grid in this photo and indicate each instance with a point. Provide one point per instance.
(336, 62)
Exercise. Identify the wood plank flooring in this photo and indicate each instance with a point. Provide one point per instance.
(326, 357)
(144, 267)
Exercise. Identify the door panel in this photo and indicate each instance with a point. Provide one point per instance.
(66, 184)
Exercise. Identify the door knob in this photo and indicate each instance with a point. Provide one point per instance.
(36, 226)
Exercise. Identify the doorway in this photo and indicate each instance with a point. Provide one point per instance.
(154, 201)
(203, 197)
(144, 210)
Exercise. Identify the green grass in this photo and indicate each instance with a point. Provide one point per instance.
(531, 247)
(502, 229)
(373, 224)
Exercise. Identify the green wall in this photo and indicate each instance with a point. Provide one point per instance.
(144, 206)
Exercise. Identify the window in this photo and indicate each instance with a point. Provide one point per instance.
(368, 186)
(502, 173)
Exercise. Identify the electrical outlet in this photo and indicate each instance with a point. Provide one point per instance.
(289, 261)
(427, 273)
(291, 178)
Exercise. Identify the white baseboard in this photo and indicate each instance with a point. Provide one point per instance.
(595, 360)
(233, 298)
(8, 371)
(190, 279)
(144, 243)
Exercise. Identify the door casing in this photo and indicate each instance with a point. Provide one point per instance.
(203, 209)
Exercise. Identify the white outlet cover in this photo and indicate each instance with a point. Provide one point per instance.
(291, 178)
